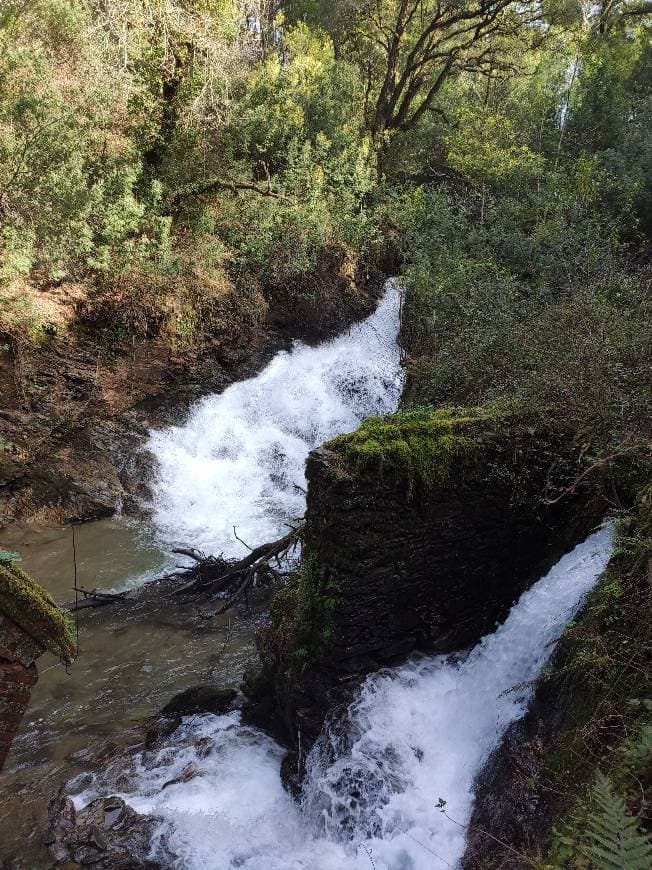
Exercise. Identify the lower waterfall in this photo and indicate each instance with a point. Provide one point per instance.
(374, 796)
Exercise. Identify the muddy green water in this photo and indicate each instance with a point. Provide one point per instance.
(132, 659)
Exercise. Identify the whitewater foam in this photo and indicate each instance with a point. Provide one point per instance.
(416, 734)
(239, 459)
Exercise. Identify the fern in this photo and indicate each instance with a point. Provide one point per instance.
(613, 839)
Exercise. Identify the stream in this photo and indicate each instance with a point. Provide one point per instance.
(236, 467)
(419, 733)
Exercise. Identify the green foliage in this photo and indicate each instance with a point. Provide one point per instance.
(296, 123)
(613, 838)
(604, 835)
(601, 684)
(302, 617)
(69, 180)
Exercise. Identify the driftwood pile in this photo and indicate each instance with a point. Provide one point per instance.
(231, 579)
(212, 577)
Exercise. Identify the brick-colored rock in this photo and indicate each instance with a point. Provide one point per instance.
(16, 682)
(17, 645)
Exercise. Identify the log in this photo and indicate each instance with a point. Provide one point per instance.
(92, 598)
(215, 575)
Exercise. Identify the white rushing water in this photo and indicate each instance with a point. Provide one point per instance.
(239, 459)
(417, 734)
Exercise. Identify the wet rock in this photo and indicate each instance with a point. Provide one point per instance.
(105, 835)
(423, 555)
(190, 771)
(92, 756)
(292, 772)
(200, 699)
(159, 729)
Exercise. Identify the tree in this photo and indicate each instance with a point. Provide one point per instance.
(418, 45)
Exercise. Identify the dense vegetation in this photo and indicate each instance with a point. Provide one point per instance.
(179, 166)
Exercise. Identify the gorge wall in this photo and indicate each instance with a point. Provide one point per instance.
(421, 530)
(76, 402)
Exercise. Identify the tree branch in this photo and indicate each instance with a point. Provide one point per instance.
(212, 185)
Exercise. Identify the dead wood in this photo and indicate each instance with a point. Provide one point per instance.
(92, 598)
(213, 576)
(216, 576)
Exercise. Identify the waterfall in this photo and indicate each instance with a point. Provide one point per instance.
(239, 459)
(416, 734)
(393, 790)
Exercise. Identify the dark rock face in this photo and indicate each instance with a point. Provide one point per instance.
(105, 835)
(159, 729)
(390, 569)
(579, 715)
(514, 803)
(200, 699)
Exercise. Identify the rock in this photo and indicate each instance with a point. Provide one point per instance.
(422, 528)
(189, 772)
(160, 728)
(200, 699)
(105, 835)
(292, 771)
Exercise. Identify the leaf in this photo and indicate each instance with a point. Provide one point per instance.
(613, 838)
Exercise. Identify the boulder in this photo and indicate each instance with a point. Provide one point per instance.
(422, 528)
(200, 699)
(105, 835)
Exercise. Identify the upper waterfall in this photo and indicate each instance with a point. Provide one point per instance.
(239, 458)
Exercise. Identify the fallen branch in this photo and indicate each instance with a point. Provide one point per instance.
(216, 576)
(92, 598)
(214, 184)
(212, 576)
(197, 555)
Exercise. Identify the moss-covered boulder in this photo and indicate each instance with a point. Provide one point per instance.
(32, 608)
(421, 530)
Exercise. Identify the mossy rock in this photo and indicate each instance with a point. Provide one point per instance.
(414, 446)
(34, 610)
(200, 699)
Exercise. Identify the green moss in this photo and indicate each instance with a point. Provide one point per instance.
(418, 445)
(318, 599)
(32, 608)
(303, 617)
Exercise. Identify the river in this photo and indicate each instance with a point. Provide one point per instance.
(236, 467)
(417, 734)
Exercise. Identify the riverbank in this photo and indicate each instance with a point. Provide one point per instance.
(76, 402)
(135, 656)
